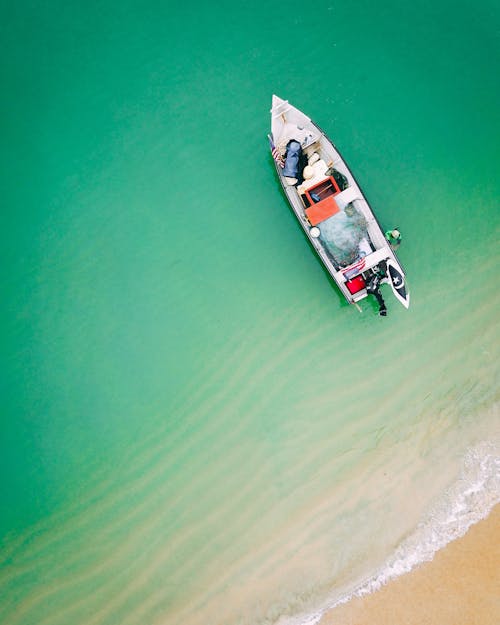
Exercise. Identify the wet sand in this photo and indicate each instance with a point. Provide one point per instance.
(460, 586)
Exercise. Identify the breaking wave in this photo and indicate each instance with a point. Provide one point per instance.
(468, 500)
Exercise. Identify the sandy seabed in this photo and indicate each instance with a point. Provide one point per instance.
(460, 586)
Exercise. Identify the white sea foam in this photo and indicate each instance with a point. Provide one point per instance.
(468, 500)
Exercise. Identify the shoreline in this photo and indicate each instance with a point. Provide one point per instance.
(460, 586)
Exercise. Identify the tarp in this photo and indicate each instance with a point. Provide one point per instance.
(292, 163)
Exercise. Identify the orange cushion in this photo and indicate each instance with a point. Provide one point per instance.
(316, 213)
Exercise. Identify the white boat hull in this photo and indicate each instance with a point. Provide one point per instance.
(375, 253)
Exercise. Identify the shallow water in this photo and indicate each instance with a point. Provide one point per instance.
(195, 426)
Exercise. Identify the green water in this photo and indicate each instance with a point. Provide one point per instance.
(194, 424)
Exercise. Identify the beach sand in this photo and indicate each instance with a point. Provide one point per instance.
(460, 586)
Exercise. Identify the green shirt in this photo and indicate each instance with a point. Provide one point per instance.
(392, 239)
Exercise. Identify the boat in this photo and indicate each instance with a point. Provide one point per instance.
(332, 209)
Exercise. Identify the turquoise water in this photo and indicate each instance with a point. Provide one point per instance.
(195, 427)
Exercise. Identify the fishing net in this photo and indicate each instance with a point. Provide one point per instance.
(345, 235)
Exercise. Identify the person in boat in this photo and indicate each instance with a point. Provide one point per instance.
(394, 237)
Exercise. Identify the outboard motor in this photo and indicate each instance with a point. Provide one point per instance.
(293, 158)
(373, 288)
